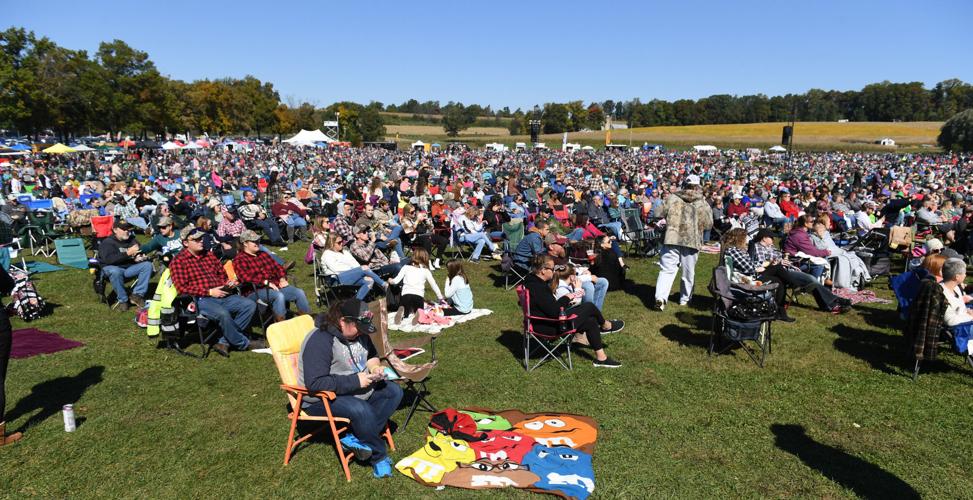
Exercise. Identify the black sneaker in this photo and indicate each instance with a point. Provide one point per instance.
(660, 305)
(616, 326)
(606, 363)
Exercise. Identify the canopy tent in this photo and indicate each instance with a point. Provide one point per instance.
(82, 147)
(777, 149)
(170, 146)
(704, 148)
(20, 147)
(192, 145)
(306, 137)
(148, 144)
(59, 149)
(127, 143)
(203, 143)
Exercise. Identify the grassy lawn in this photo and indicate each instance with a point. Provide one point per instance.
(833, 414)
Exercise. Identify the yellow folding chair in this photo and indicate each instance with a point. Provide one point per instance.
(285, 339)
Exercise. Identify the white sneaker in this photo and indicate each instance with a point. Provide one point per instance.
(435, 264)
(282, 249)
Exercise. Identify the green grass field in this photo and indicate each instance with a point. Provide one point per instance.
(809, 136)
(833, 414)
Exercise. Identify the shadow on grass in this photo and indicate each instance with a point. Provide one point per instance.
(513, 340)
(883, 352)
(685, 336)
(643, 292)
(881, 318)
(865, 479)
(49, 397)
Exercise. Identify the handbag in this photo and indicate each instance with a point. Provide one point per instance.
(753, 307)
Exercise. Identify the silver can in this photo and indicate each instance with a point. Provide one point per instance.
(69, 423)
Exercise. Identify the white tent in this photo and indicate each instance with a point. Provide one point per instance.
(171, 145)
(191, 145)
(82, 147)
(308, 137)
(777, 149)
(705, 148)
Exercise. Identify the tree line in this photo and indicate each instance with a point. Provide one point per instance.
(118, 89)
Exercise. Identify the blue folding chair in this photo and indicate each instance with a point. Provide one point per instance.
(40, 204)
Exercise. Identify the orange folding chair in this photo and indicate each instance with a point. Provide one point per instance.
(285, 339)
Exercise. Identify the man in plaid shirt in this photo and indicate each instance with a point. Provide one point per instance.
(199, 273)
(253, 265)
(365, 249)
(342, 223)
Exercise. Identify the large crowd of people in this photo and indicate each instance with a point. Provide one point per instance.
(378, 219)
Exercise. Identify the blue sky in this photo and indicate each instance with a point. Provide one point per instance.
(523, 53)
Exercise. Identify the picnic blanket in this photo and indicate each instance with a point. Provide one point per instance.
(477, 448)
(29, 342)
(860, 296)
(409, 326)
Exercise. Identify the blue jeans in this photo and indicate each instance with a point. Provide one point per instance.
(616, 227)
(357, 276)
(278, 299)
(594, 291)
(394, 235)
(368, 417)
(117, 276)
(270, 228)
(496, 234)
(233, 313)
(392, 269)
(137, 222)
(295, 220)
(479, 240)
(577, 234)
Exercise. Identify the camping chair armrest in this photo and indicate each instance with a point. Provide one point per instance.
(571, 317)
(303, 391)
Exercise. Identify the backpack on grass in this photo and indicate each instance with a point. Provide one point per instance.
(25, 301)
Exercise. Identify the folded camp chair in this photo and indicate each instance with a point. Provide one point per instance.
(71, 252)
(413, 377)
(548, 345)
(285, 339)
(738, 332)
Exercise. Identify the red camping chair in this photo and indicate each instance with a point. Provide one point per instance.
(548, 345)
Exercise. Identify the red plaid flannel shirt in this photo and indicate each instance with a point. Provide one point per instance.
(257, 269)
(196, 275)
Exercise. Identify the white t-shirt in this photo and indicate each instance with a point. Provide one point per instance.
(956, 309)
(414, 281)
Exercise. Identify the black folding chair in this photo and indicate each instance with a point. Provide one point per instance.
(728, 331)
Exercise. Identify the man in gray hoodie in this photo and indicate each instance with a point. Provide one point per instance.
(687, 215)
(339, 357)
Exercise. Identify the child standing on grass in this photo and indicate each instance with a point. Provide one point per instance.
(458, 292)
(414, 277)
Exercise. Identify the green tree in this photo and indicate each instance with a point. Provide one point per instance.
(957, 133)
(456, 118)
(554, 119)
(596, 117)
(370, 124)
(516, 125)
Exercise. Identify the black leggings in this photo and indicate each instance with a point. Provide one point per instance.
(789, 278)
(6, 342)
(411, 303)
(589, 321)
(428, 241)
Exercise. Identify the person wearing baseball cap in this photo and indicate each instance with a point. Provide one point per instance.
(199, 273)
(268, 279)
(339, 357)
(165, 240)
(121, 259)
